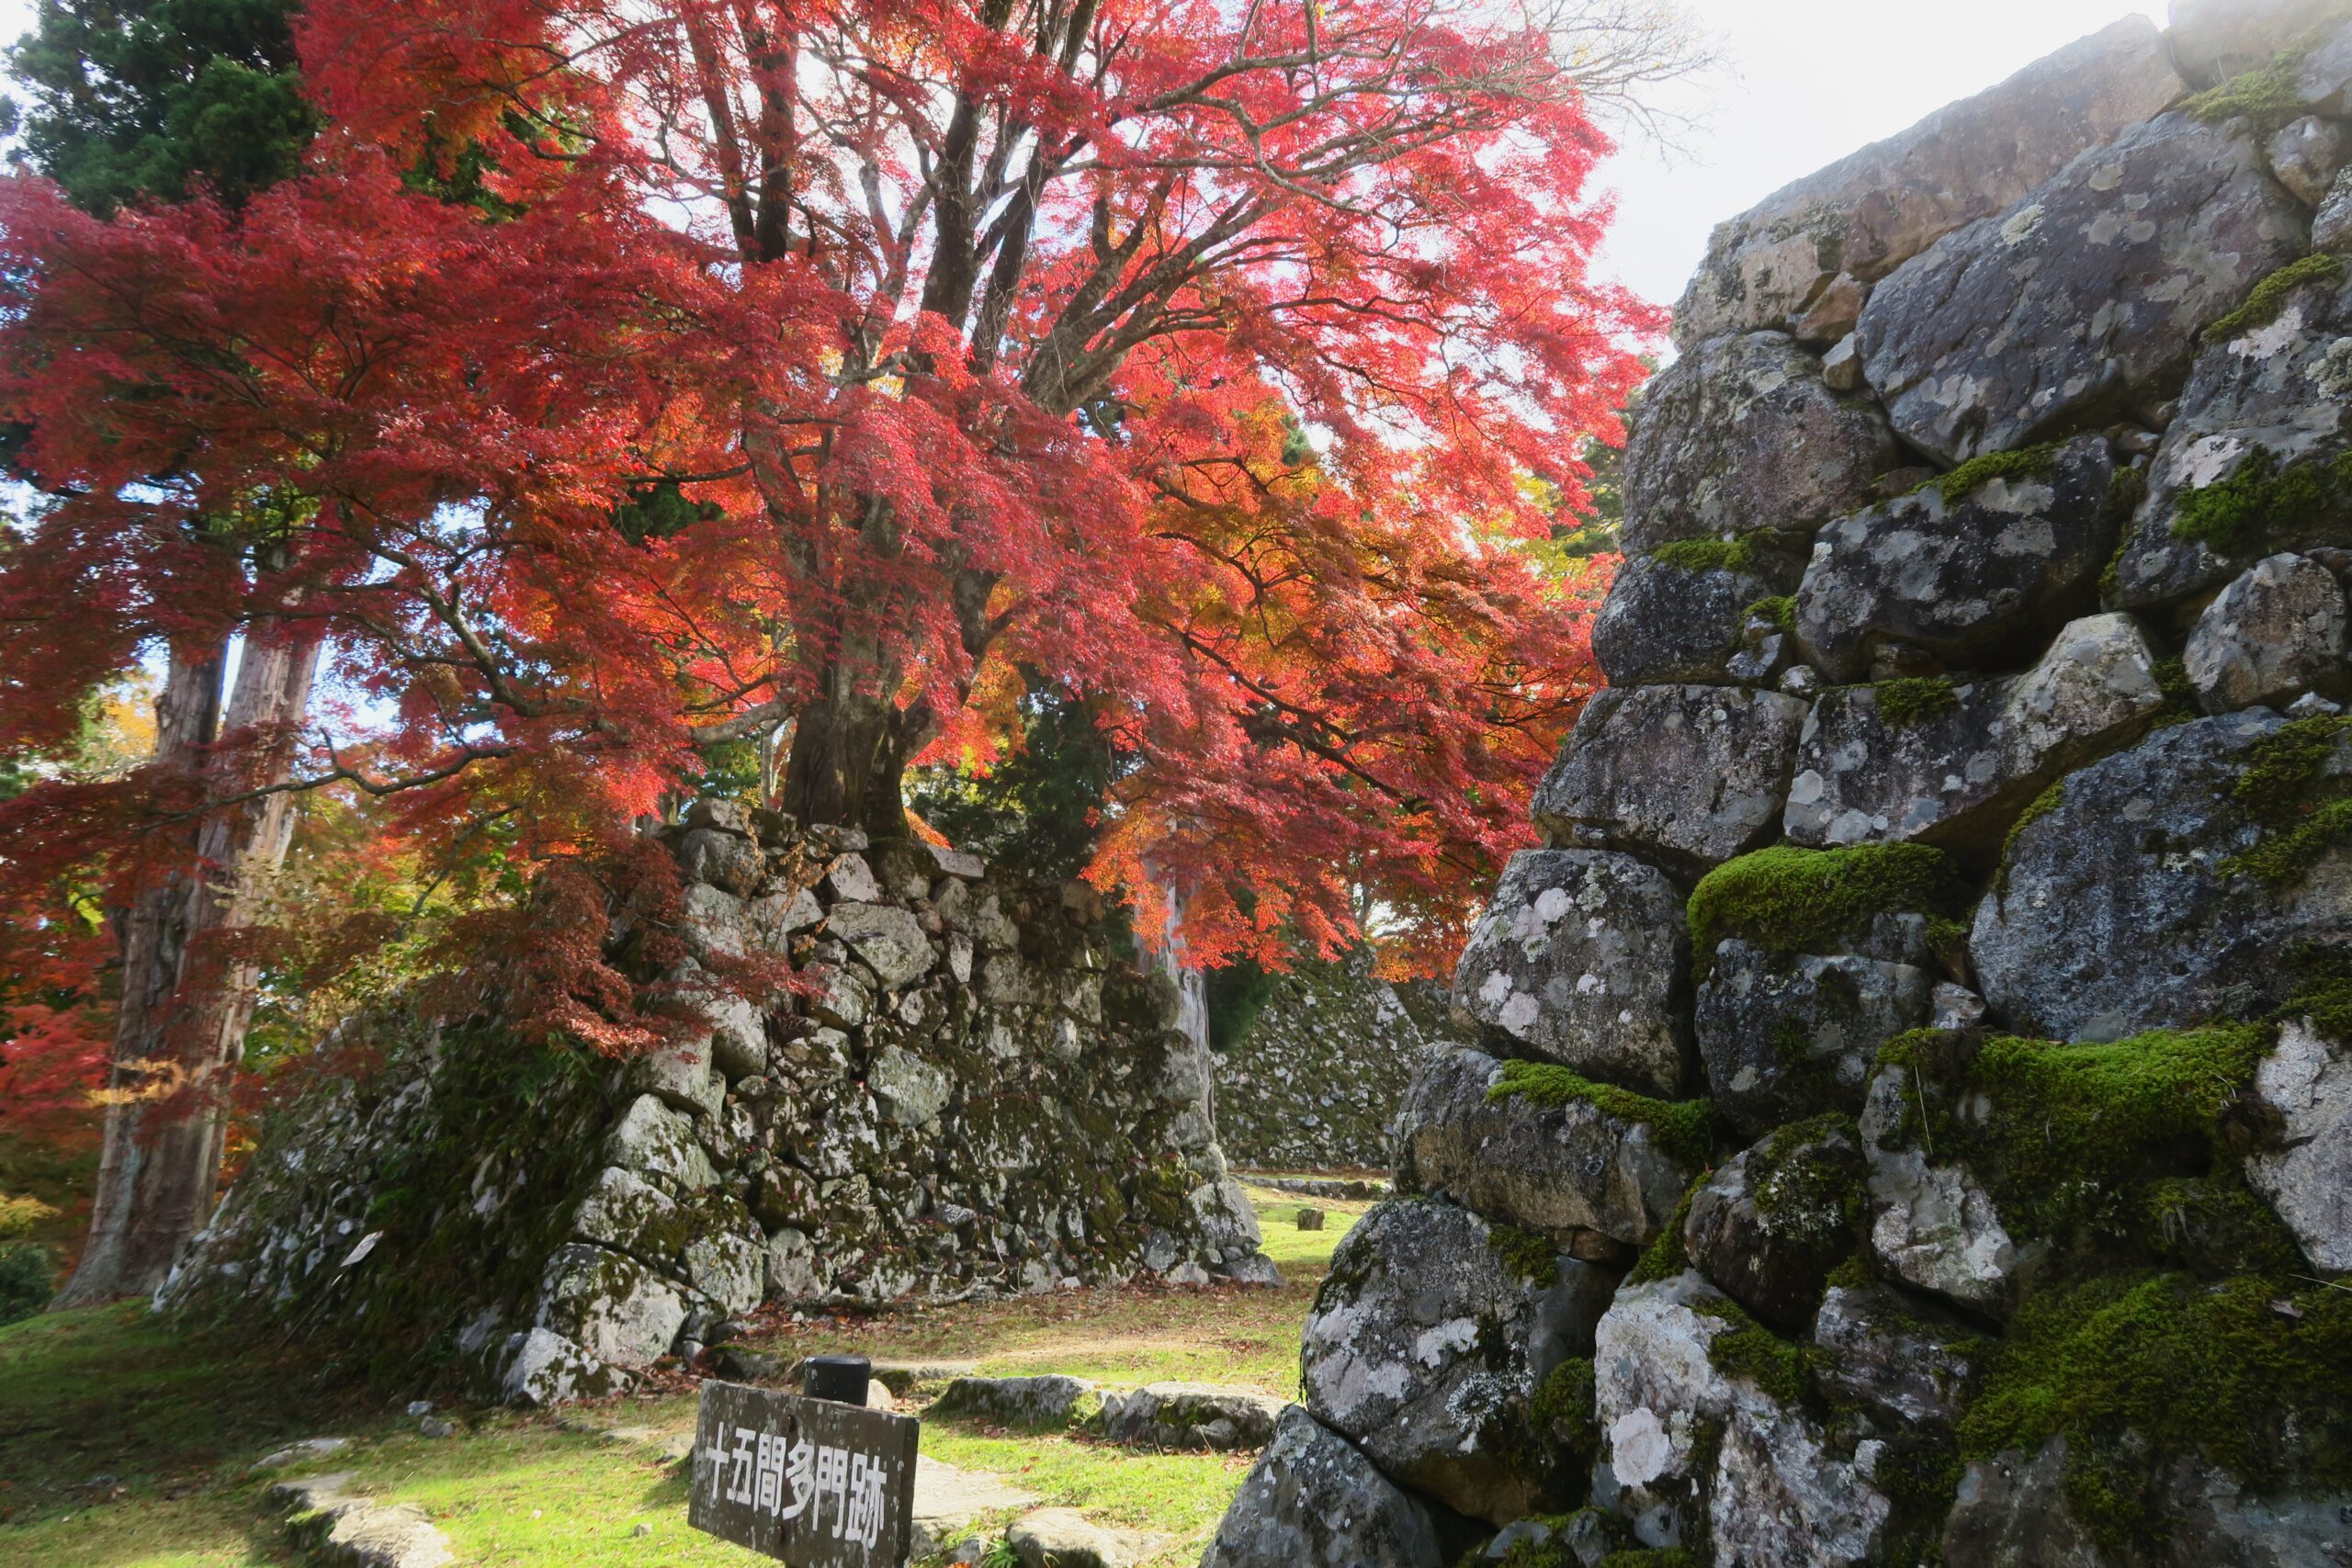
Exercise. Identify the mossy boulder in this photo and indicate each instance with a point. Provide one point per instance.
(1787, 1036)
(1769, 1225)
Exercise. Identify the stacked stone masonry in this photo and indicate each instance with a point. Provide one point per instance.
(1910, 1119)
(964, 1090)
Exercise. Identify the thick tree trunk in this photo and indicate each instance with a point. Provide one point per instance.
(186, 1001)
(848, 765)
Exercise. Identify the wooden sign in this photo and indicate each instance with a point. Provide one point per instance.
(813, 1483)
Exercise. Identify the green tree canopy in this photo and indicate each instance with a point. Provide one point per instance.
(157, 99)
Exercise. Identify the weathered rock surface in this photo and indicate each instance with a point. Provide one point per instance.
(2118, 910)
(2332, 223)
(343, 1530)
(1050, 1400)
(1934, 1226)
(2083, 298)
(2307, 1080)
(1581, 959)
(1741, 435)
(1908, 1365)
(2264, 401)
(2274, 633)
(1870, 211)
(1667, 621)
(2012, 1509)
(1783, 1037)
(1772, 1490)
(1768, 1224)
(1313, 1498)
(1427, 1344)
(1689, 775)
(1953, 765)
(1568, 1171)
(2306, 155)
(1191, 1416)
(1960, 581)
(1064, 1538)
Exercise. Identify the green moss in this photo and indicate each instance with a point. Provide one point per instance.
(1684, 1129)
(2042, 806)
(2213, 1228)
(1653, 1557)
(1781, 610)
(2260, 501)
(2065, 1136)
(2270, 296)
(2265, 94)
(2254, 1375)
(1528, 1255)
(2180, 698)
(1563, 1408)
(2323, 988)
(2125, 491)
(2025, 462)
(1751, 1351)
(1665, 1257)
(1696, 556)
(1806, 1178)
(2300, 808)
(1786, 900)
(1915, 699)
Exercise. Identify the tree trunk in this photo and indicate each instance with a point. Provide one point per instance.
(848, 762)
(186, 1001)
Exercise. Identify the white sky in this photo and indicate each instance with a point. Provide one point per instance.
(1807, 82)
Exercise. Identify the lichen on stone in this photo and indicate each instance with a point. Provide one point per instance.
(1684, 1129)
(1784, 899)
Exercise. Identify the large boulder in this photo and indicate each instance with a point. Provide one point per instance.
(1783, 1036)
(1959, 578)
(2307, 1083)
(1769, 1224)
(1679, 616)
(2274, 633)
(1923, 758)
(1687, 775)
(1428, 1343)
(2124, 906)
(1557, 1165)
(1696, 1448)
(2085, 297)
(1190, 1416)
(1313, 1498)
(1741, 434)
(1581, 959)
(2262, 414)
(1868, 213)
(612, 1308)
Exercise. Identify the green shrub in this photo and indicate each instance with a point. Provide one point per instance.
(28, 1279)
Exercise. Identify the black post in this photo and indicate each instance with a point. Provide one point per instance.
(842, 1379)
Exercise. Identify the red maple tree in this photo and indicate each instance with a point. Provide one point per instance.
(620, 378)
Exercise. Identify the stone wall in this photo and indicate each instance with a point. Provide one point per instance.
(1912, 1117)
(1315, 1081)
(978, 1096)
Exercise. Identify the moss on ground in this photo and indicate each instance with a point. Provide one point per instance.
(1913, 700)
(2270, 296)
(2253, 1375)
(2300, 808)
(1684, 1129)
(2023, 462)
(2261, 501)
(1696, 556)
(1788, 900)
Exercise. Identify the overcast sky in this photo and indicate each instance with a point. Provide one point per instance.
(1809, 81)
(1806, 81)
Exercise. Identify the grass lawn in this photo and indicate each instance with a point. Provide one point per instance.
(125, 1442)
